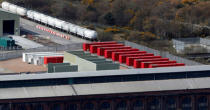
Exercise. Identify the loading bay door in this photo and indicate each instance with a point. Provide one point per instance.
(8, 27)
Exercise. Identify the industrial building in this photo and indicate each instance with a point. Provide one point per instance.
(170, 88)
(73, 81)
(88, 62)
(9, 23)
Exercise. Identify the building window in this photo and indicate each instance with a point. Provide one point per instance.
(130, 78)
(146, 77)
(56, 107)
(138, 105)
(89, 106)
(4, 107)
(154, 104)
(97, 79)
(21, 107)
(198, 74)
(105, 106)
(81, 80)
(38, 107)
(186, 103)
(72, 107)
(202, 103)
(114, 79)
(121, 106)
(171, 103)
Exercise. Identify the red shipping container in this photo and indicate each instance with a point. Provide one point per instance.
(93, 48)
(146, 64)
(115, 55)
(122, 58)
(108, 53)
(137, 62)
(54, 59)
(166, 65)
(59, 59)
(101, 50)
(48, 59)
(86, 46)
(130, 60)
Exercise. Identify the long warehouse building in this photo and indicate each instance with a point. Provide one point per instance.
(171, 88)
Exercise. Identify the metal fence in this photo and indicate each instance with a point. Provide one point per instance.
(18, 53)
(204, 41)
(162, 53)
(181, 43)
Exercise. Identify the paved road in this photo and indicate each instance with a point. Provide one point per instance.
(30, 27)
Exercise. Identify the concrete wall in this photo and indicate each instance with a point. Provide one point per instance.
(96, 59)
(9, 16)
(69, 58)
(83, 65)
(52, 65)
(65, 68)
(102, 62)
(86, 62)
(107, 66)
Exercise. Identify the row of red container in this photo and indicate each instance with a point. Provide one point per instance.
(54, 59)
(94, 48)
(86, 46)
(166, 65)
(101, 50)
(130, 56)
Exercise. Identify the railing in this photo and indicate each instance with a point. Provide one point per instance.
(18, 53)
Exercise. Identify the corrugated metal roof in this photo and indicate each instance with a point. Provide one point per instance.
(104, 88)
(104, 73)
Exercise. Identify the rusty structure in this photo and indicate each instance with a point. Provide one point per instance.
(120, 90)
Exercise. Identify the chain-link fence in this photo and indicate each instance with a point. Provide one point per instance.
(162, 53)
(18, 53)
(181, 43)
(205, 42)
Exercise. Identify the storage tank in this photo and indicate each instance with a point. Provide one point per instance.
(43, 18)
(65, 26)
(30, 14)
(59, 23)
(13, 8)
(80, 31)
(90, 34)
(73, 29)
(51, 21)
(21, 11)
(37, 16)
(5, 5)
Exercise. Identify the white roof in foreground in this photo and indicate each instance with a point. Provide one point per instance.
(104, 73)
(104, 88)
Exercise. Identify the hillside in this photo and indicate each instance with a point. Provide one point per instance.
(136, 20)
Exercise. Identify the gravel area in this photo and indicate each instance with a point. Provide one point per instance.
(17, 66)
